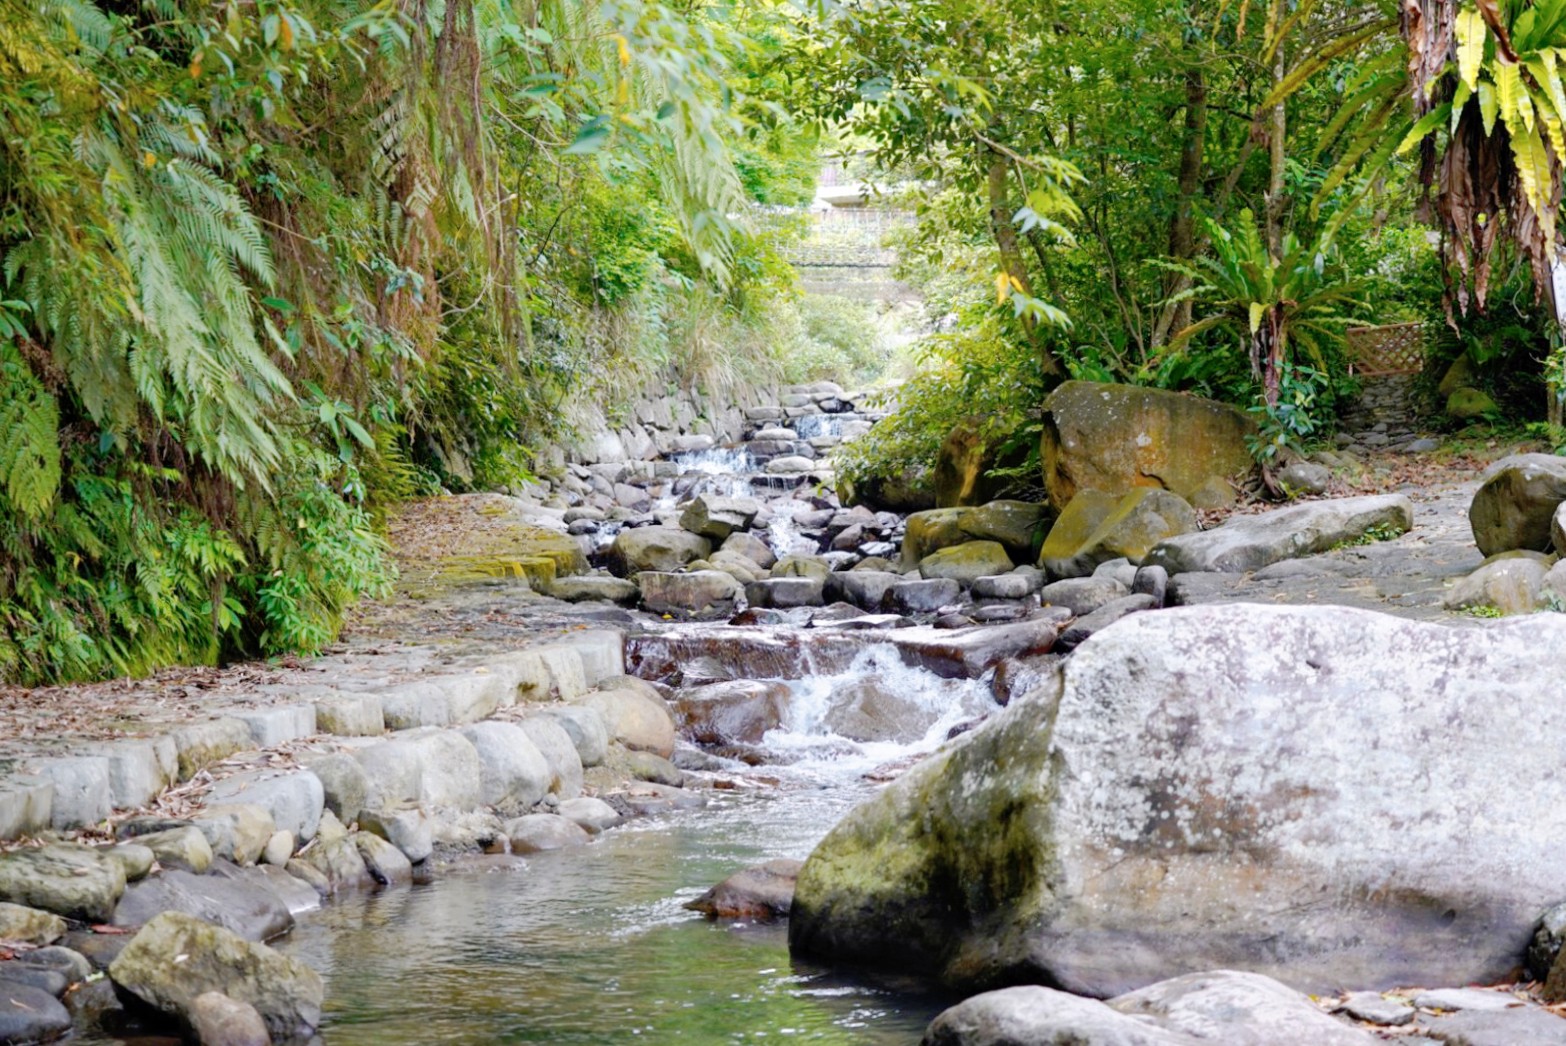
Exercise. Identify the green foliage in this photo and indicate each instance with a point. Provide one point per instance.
(263, 272)
(1291, 422)
(1298, 299)
(975, 370)
(837, 339)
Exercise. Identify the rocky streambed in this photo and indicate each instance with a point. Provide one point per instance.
(1113, 773)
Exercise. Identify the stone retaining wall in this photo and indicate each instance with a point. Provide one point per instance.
(60, 781)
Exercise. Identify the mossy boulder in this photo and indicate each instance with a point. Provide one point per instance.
(1118, 437)
(1105, 527)
(73, 881)
(1469, 404)
(963, 465)
(967, 562)
(177, 957)
(29, 925)
(1171, 798)
(664, 549)
(1016, 525)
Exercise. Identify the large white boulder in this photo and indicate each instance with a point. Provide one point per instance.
(1323, 795)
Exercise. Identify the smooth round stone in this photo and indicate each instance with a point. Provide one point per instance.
(279, 848)
(29, 1014)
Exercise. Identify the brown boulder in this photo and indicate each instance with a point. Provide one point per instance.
(963, 464)
(1117, 437)
(762, 893)
(739, 711)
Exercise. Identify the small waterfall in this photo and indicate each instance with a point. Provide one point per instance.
(878, 710)
(783, 533)
(812, 425)
(719, 461)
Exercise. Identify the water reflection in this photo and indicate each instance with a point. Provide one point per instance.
(592, 946)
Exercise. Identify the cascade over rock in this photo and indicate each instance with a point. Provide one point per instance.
(1323, 795)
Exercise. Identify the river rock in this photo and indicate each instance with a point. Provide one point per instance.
(961, 475)
(1083, 595)
(387, 865)
(549, 736)
(752, 548)
(72, 965)
(1373, 1008)
(813, 567)
(177, 957)
(662, 549)
(760, 894)
(218, 1020)
(638, 722)
(437, 768)
(785, 593)
(789, 465)
(967, 562)
(590, 813)
(1245, 543)
(1514, 1026)
(700, 595)
(603, 588)
(920, 597)
(250, 909)
(24, 925)
(1014, 524)
(714, 517)
(861, 588)
(73, 881)
(236, 832)
(1202, 770)
(870, 710)
(135, 859)
(1083, 628)
(294, 798)
(30, 1015)
(279, 848)
(185, 848)
(1509, 582)
(1514, 507)
(515, 773)
(538, 832)
(738, 567)
(345, 786)
(739, 711)
(586, 729)
(1118, 437)
(406, 827)
(1304, 477)
(968, 653)
(1108, 528)
(332, 863)
(1225, 1007)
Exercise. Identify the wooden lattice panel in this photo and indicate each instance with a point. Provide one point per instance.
(1397, 348)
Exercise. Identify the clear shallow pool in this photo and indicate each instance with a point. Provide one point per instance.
(591, 946)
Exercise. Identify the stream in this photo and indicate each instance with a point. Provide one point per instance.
(591, 945)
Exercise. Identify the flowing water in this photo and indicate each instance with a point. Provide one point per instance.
(592, 945)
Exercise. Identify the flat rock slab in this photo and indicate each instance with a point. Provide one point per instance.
(1245, 543)
(1374, 1008)
(1522, 1026)
(249, 909)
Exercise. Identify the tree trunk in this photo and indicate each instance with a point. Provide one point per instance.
(998, 178)
(1182, 224)
(1276, 140)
